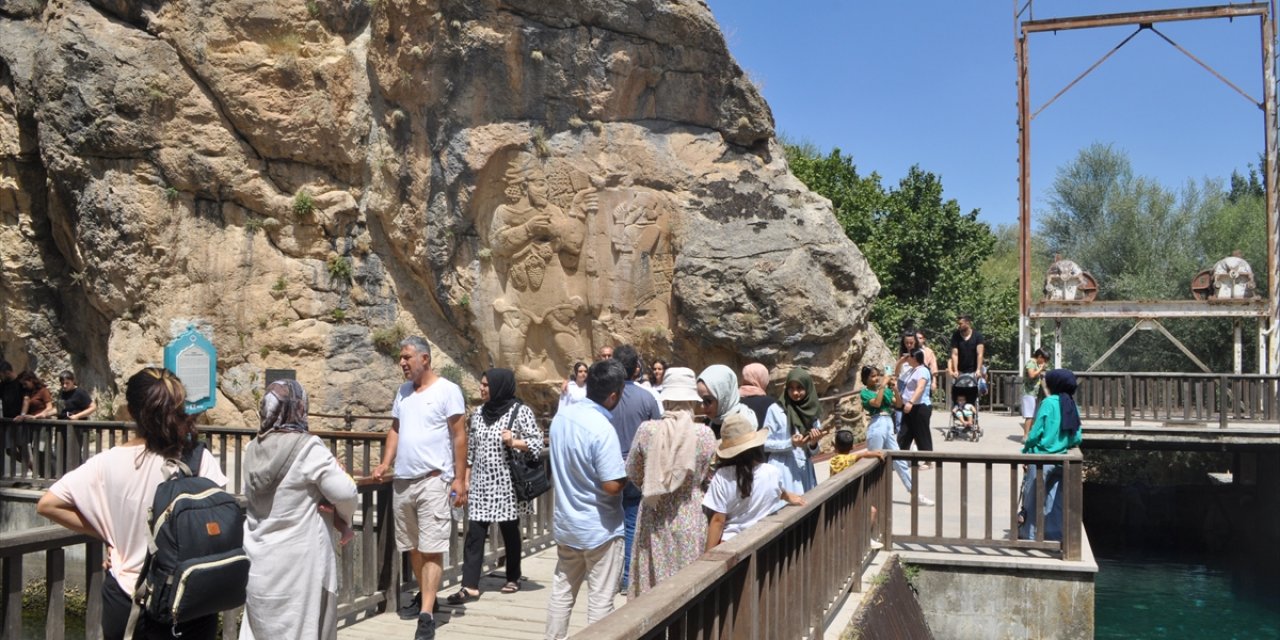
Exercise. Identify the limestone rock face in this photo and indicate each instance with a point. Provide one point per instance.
(521, 181)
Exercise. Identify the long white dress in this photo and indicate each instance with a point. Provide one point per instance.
(293, 577)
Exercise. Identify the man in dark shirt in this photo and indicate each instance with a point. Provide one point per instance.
(636, 406)
(967, 351)
(77, 404)
(10, 390)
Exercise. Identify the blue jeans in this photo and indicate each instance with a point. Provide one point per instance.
(1052, 502)
(630, 509)
(880, 437)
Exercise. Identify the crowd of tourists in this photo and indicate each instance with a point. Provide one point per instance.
(651, 466)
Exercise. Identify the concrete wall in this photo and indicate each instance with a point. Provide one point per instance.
(996, 602)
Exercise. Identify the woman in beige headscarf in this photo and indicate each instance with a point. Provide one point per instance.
(670, 461)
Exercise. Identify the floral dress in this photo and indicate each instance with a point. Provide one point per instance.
(491, 498)
(671, 532)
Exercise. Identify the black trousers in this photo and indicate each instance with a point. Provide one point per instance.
(115, 618)
(915, 428)
(473, 551)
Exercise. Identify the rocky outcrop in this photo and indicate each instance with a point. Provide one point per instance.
(522, 181)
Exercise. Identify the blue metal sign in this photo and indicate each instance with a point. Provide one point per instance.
(194, 359)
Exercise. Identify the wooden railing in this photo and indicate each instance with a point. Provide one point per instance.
(783, 578)
(1162, 397)
(55, 447)
(51, 541)
(959, 523)
(373, 573)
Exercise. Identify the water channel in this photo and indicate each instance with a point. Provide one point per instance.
(1173, 564)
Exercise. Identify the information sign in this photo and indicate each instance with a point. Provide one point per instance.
(194, 359)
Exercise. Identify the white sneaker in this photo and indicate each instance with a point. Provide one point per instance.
(925, 501)
(876, 544)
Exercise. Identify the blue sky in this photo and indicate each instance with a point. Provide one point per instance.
(934, 83)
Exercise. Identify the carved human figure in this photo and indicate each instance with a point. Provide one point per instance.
(643, 242)
(1233, 277)
(540, 245)
(1063, 280)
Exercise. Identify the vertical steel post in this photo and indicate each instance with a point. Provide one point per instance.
(1272, 183)
(1024, 199)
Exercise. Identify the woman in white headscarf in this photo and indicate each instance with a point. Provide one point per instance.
(718, 388)
(288, 476)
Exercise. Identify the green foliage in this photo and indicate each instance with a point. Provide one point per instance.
(387, 339)
(339, 268)
(927, 253)
(313, 8)
(171, 194)
(35, 607)
(1143, 241)
(252, 225)
(280, 284)
(339, 314)
(452, 373)
(539, 141)
(303, 204)
(264, 351)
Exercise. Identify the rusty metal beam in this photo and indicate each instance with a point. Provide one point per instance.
(1145, 17)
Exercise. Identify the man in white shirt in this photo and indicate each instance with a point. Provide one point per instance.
(427, 444)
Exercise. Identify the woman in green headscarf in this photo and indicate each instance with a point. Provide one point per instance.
(804, 425)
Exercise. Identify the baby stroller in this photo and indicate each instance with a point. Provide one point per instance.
(966, 385)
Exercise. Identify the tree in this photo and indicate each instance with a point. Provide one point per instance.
(927, 253)
(1142, 240)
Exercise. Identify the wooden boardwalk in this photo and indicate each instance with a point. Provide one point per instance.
(517, 616)
(522, 616)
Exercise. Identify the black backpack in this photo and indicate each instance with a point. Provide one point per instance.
(196, 565)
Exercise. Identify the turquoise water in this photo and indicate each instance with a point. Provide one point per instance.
(1151, 597)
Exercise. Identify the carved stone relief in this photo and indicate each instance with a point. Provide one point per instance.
(1233, 278)
(575, 261)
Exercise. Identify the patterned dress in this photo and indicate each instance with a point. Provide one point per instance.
(672, 532)
(491, 497)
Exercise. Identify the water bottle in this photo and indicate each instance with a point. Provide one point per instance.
(459, 514)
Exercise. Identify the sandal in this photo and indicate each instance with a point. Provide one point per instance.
(510, 587)
(461, 597)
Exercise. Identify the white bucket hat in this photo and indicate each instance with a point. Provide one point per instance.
(680, 385)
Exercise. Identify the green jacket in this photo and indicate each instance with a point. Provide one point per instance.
(1046, 434)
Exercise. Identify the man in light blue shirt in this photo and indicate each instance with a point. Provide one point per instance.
(588, 475)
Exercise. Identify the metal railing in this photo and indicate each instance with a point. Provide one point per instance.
(959, 523)
(782, 578)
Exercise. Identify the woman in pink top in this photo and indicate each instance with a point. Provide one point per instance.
(108, 496)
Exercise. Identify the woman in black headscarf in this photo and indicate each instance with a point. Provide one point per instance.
(502, 427)
(1055, 431)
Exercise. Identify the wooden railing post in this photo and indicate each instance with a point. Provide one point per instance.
(55, 593)
(1073, 516)
(12, 592)
(1224, 402)
(1128, 400)
(389, 556)
(94, 575)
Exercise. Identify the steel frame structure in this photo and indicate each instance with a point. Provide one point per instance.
(1148, 313)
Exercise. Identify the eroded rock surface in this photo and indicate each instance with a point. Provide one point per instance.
(521, 181)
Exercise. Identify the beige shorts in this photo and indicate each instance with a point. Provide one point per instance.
(422, 512)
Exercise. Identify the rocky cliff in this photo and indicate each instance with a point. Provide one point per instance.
(521, 181)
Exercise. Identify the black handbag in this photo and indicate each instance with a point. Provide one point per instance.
(529, 475)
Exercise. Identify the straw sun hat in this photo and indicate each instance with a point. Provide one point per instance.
(737, 434)
(680, 385)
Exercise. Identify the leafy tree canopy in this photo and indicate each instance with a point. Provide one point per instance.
(926, 251)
